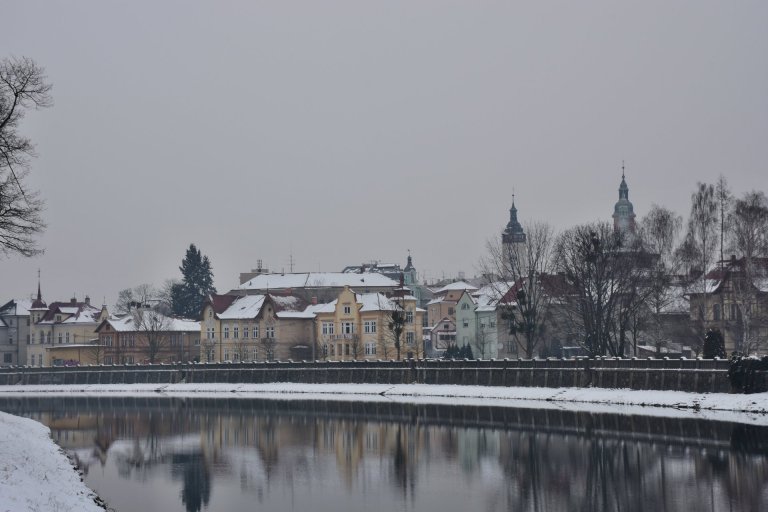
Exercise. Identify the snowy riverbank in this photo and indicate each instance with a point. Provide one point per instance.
(35, 475)
(715, 406)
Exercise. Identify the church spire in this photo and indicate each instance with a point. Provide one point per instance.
(623, 211)
(513, 233)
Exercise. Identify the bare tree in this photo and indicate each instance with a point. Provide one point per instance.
(659, 230)
(601, 269)
(702, 223)
(153, 329)
(749, 237)
(22, 86)
(356, 345)
(523, 266)
(385, 347)
(141, 296)
(268, 344)
(396, 318)
(96, 351)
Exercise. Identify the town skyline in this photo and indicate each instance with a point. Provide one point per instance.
(359, 132)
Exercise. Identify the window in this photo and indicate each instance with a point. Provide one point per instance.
(347, 327)
(226, 333)
(325, 350)
(347, 309)
(40, 360)
(327, 327)
(226, 354)
(346, 349)
(107, 340)
(245, 333)
(235, 332)
(210, 313)
(734, 312)
(58, 318)
(10, 339)
(32, 360)
(466, 323)
(410, 338)
(27, 339)
(197, 341)
(465, 306)
(59, 338)
(7, 358)
(492, 323)
(67, 337)
(716, 312)
(270, 331)
(48, 338)
(450, 311)
(255, 331)
(409, 317)
(369, 326)
(211, 333)
(370, 349)
(107, 359)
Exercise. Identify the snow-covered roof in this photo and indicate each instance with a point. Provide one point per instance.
(22, 306)
(457, 286)
(317, 280)
(126, 323)
(243, 308)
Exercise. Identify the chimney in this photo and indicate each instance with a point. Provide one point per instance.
(87, 300)
(314, 301)
(73, 300)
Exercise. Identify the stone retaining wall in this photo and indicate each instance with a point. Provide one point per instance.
(694, 375)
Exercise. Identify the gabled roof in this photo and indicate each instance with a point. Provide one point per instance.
(127, 323)
(249, 306)
(20, 306)
(457, 286)
(317, 280)
(76, 312)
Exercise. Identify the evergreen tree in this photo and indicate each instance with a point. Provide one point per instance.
(714, 345)
(188, 296)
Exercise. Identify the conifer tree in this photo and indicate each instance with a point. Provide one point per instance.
(197, 283)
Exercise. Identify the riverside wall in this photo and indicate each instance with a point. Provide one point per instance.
(692, 375)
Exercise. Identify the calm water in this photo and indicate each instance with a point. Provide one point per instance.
(233, 454)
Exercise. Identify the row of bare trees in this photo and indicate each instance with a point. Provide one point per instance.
(607, 290)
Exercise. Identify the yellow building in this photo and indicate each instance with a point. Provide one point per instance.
(361, 326)
(256, 328)
(60, 323)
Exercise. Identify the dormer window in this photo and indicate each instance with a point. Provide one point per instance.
(58, 318)
(347, 310)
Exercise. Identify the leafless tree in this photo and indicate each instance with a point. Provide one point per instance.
(601, 268)
(396, 318)
(749, 237)
(659, 230)
(483, 339)
(268, 344)
(22, 86)
(523, 266)
(141, 296)
(96, 351)
(702, 223)
(153, 330)
(356, 345)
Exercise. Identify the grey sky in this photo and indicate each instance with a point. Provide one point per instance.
(343, 131)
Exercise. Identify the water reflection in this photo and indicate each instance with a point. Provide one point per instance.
(237, 454)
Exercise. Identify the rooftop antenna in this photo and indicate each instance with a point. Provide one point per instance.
(622, 169)
(290, 258)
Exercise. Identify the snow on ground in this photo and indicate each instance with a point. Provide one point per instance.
(35, 475)
(715, 406)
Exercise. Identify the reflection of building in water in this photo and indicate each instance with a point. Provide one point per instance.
(565, 462)
(475, 445)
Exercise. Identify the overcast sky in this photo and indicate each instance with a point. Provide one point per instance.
(346, 131)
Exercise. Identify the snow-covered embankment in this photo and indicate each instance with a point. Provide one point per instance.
(35, 475)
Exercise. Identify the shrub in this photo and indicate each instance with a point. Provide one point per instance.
(747, 374)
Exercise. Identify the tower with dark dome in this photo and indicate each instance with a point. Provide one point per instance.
(623, 211)
(513, 233)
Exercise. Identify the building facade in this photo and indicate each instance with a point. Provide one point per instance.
(360, 326)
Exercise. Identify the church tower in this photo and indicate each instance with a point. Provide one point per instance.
(513, 234)
(623, 211)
